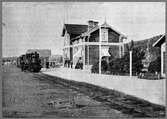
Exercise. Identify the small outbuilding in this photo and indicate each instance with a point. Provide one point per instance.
(161, 43)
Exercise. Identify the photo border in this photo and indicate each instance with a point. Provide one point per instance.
(1, 116)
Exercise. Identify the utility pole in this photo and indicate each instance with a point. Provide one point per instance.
(88, 49)
(100, 49)
(84, 54)
(130, 52)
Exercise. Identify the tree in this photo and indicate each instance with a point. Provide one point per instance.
(137, 56)
(155, 66)
(110, 52)
(121, 65)
(131, 45)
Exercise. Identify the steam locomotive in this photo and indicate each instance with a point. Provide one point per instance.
(29, 62)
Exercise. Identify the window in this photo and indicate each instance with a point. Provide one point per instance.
(104, 35)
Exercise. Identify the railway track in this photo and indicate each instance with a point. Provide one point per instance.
(116, 100)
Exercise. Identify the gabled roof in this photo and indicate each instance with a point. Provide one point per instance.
(160, 41)
(82, 30)
(74, 29)
(104, 25)
(86, 33)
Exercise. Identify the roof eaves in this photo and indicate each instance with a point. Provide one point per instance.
(74, 28)
(96, 28)
(156, 43)
(116, 30)
(76, 37)
(86, 33)
(63, 32)
(90, 31)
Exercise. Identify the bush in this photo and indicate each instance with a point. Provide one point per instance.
(95, 68)
(104, 67)
(119, 66)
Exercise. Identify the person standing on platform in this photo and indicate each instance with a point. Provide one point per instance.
(71, 63)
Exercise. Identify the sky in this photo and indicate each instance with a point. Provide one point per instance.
(38, 25)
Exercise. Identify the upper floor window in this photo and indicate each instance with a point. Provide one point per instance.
(104, 35)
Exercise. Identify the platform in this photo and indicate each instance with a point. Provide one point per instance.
(150, 90)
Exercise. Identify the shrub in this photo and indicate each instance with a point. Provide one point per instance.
(104, 67)
(121, 65)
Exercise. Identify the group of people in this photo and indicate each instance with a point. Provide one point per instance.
(52, 64)
(79, 64)
(69, 63)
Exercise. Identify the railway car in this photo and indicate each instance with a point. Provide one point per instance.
(29, 62)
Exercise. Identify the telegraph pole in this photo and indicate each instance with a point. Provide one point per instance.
(100, 49)
(130, 52)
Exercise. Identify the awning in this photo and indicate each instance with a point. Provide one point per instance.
(78, 53)
(104, 51)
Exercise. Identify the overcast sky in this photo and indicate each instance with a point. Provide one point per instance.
(39, 24)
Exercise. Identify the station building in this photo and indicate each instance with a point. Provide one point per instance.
(162, 44)
(91, 43)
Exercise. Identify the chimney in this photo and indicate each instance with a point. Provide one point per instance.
(92, 24)
(96, 23)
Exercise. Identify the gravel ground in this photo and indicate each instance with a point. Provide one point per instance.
(25, 95)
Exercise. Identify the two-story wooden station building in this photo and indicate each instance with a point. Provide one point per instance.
(89, 42)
